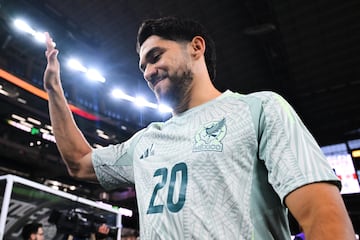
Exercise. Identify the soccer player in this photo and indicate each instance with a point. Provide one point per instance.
(224, 166)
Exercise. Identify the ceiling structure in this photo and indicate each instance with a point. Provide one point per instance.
(307, 51)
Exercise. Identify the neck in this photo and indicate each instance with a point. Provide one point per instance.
(202, 91)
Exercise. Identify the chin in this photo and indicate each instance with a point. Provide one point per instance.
(161, 93)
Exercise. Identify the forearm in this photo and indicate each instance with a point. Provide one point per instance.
(70, 141)
(73, 147)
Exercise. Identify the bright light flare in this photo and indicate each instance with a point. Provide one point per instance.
(140, 101)
(91, 74)
(164, 109)
(94, 74)
(25, 27)
(40, 37)
(119, 94)
(76, 65)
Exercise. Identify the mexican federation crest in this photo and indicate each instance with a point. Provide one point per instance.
(209, 137)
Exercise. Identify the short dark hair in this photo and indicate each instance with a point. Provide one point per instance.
(178, 29)
(129, 232)
(29, 229)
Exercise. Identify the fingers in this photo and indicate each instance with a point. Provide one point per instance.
(50, 53)
(49, 41)
(50, 45)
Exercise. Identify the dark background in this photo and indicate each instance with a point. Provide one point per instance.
(307, 51)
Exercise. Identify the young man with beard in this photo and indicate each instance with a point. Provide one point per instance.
(225, 166)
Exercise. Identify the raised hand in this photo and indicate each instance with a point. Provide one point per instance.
(52, 71)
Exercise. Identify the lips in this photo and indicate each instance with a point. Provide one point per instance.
(155, 80)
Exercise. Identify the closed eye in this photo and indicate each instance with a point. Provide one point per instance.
(152, 57)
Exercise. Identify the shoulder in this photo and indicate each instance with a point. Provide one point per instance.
(151, 128)
(272, 100)
(262, 96)
(266, 96)
(258, 99)
(155, 125)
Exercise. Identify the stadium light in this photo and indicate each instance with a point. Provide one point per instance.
(22, 25)
(76, 65)
(140, 101)
(94, 74)
(164, 109)
(91, 73)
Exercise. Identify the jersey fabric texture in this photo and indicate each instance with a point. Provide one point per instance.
(217, 171)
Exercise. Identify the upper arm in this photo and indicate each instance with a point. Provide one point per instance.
(294, 160)
(320, 211)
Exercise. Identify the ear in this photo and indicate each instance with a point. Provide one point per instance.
(197, 46)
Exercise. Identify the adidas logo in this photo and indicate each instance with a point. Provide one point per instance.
(148, 152)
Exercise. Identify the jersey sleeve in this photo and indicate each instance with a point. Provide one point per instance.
(291, 154)
(113, 164)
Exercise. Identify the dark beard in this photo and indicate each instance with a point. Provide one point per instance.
(177, 96)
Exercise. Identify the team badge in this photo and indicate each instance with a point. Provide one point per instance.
(209, 137)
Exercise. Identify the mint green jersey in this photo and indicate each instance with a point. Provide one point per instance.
(217, 171)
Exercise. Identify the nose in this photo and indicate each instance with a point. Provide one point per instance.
(150, 72)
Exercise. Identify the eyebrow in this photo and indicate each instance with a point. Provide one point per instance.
(147, 56)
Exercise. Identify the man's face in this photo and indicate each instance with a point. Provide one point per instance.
(166, 66)
(39, 235)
